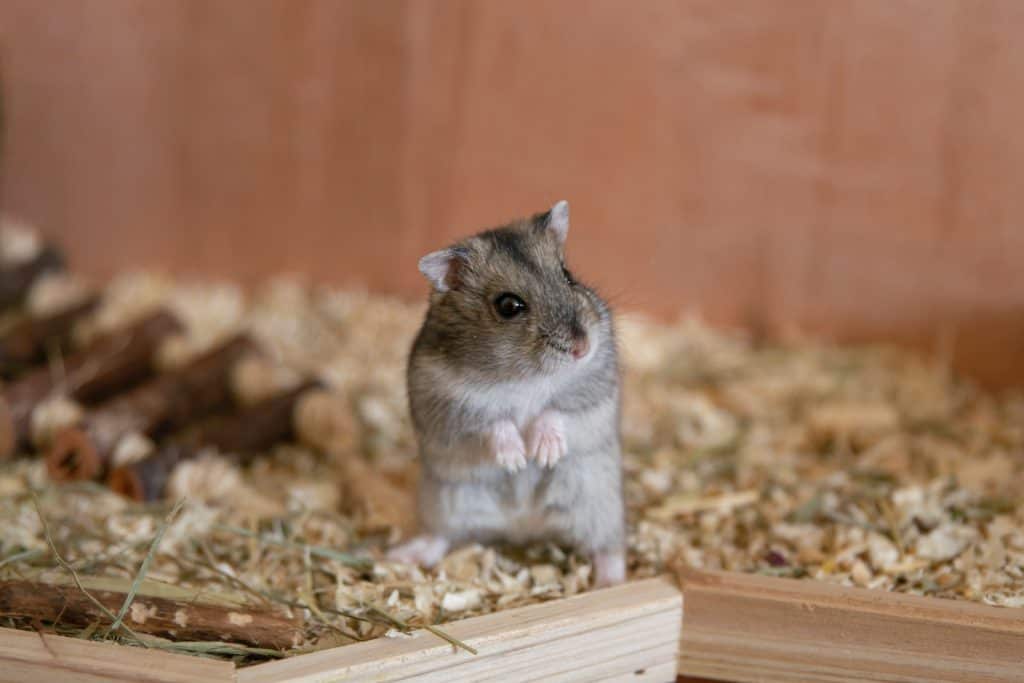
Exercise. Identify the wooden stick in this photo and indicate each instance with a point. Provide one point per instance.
(167, 402)
(31, 656)
(17, 279)
(745, 627)
(27, 342)
(628, 632)
(180, 620)
(243, 434)
(108, 364)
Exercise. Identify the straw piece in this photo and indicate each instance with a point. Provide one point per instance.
(144, 567)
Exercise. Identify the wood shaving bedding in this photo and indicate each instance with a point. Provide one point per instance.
(863, 466)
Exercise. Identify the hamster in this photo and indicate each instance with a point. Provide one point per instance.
(513, 388)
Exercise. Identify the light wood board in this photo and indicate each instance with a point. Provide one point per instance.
(747, 628)
(738, 627)
(27, 656)
(629, 631)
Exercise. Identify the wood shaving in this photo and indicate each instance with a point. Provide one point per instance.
(55, 292)
(127, 298)
(255, 378)
(51, 416)
(19, 241)
(131, 448)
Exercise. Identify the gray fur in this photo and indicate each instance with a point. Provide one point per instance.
(469, 369)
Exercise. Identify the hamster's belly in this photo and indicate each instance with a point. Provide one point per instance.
(526, 508)
(509, 507)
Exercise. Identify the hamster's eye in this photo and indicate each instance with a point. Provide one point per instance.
(569, 280)
(509, 305)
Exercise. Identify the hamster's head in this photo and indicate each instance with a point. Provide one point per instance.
(504, 303)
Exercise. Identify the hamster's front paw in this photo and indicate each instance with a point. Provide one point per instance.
(547, 439)
(507, 446)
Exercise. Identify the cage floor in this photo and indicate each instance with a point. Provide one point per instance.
(862, 466)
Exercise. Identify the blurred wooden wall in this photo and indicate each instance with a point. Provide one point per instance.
(850, 167)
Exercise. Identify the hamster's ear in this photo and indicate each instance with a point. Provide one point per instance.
(441, 268)
(557, 220)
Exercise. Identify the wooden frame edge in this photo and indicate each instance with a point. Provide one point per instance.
(746, 628)
(631, 630)
(29, 656)
(738, 627)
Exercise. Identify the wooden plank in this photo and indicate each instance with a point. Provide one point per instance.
(747, 628)
(629, 631)
(781, 162)
(27, 656)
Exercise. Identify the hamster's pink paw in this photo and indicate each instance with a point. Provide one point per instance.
(426, 551)
(609, 569)
(507, 446)
(547, 439)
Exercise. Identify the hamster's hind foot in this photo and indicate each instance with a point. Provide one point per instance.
(609, 569)
(425, 550)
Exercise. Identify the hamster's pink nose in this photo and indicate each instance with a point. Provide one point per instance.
(580, 346)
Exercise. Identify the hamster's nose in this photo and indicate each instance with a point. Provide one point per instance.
(580, 346)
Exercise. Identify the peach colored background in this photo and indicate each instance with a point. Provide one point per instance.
(854, 168)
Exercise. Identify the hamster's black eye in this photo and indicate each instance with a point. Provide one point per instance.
(509, 306)
(569, 280)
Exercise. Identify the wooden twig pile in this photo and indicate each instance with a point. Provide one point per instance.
(141, 387)
(90, 374)
(244, 434)
(125, 395)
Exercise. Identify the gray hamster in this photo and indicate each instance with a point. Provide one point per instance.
(514, 393)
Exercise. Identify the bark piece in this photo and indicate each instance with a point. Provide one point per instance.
(27, 342)
(108, 364)
(251, 430)
(175, 619)
(164, 403)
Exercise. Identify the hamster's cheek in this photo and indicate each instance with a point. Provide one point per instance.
(506, 353)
